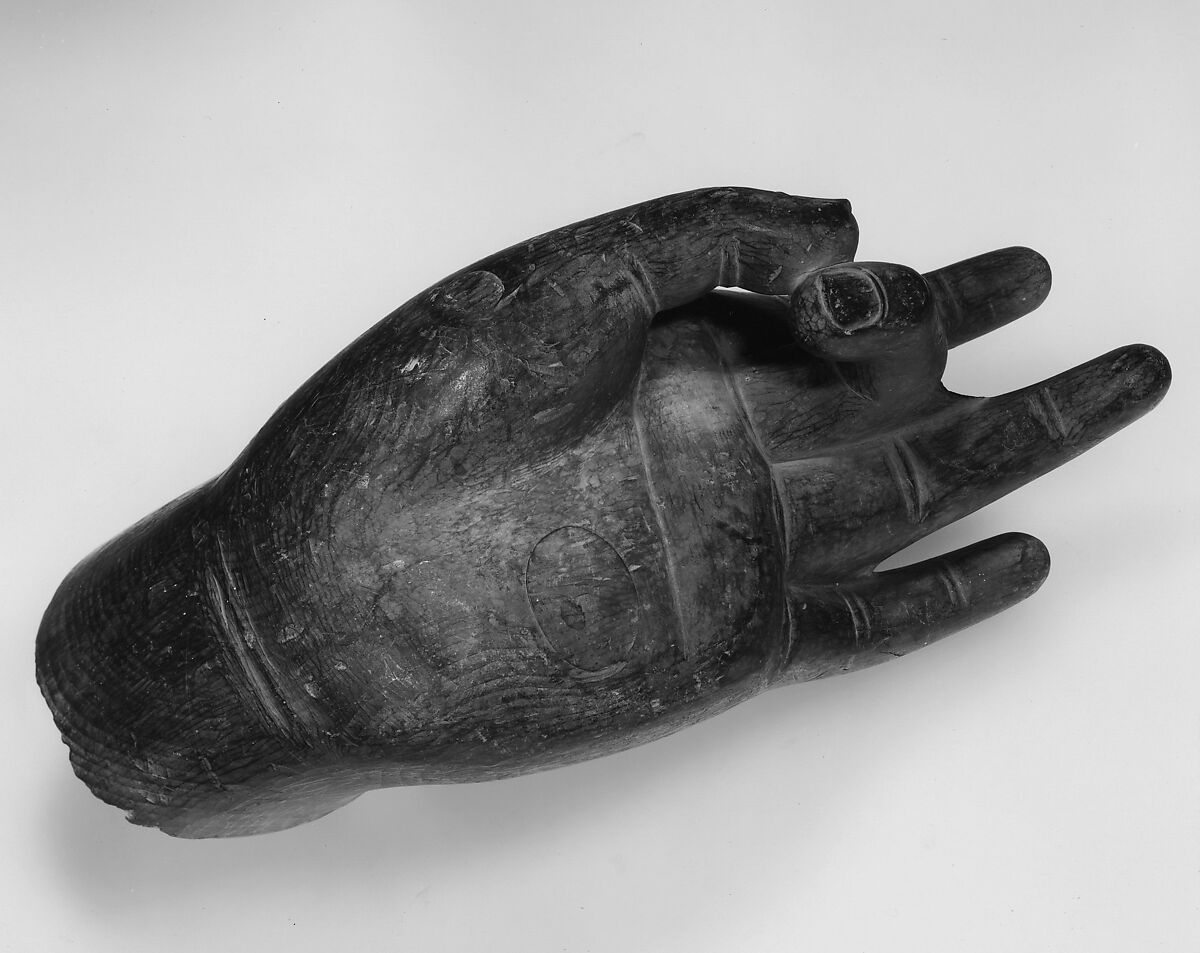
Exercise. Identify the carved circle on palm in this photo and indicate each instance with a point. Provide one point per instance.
(584, 600)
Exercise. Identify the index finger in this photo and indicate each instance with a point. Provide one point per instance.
(681, 246)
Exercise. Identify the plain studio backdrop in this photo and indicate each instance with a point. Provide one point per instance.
(202, 203)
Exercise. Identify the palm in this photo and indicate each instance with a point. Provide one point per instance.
(686, 511)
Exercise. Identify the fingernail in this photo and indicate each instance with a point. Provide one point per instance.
(849, 297)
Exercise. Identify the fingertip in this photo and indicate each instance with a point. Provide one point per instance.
(840, 300)
(1025, 558)
(891, 613)
(1011, 566)
(1149, 374)
(468, 289)
(1030, 276)
(981, 294)
(1079, 408)
(1029, 267)
(855, 311)
(996, 573)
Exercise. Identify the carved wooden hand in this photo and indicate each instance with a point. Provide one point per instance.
(517, 524)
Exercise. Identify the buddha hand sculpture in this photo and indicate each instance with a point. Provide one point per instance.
(522, 522)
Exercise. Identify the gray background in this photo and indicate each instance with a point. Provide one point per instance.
(204, 202)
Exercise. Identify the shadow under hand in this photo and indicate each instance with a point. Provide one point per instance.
(124, 873)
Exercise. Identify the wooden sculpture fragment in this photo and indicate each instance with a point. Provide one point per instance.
(566, 501)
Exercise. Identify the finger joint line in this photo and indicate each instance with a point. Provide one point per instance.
(860, 616)
(955, 585)
(909, 476)
(731, 264)
(1045, 410)
(645, 283)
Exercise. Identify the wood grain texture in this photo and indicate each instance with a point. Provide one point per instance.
(564, 502)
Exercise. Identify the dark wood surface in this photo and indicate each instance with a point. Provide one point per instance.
(564, 502)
